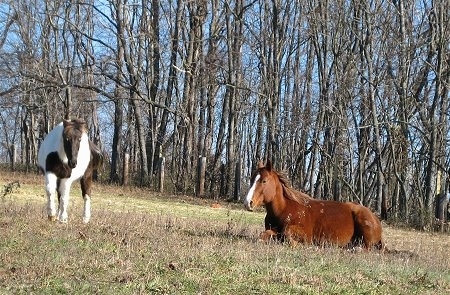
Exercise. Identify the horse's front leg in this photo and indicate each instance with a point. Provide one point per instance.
(64, 190)
(295, 234)
(50, 188)
(86, 182)
(268, 235)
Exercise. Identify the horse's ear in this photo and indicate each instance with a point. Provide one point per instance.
(269, 165)
(260, 164)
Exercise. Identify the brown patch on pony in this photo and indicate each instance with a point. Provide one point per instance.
(54, 164)
(72, 132)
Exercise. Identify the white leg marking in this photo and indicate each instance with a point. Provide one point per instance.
(249, 197)
(87, 209)
(64, 189)
(50, 187)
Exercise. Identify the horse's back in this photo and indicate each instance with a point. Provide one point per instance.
(50, 144)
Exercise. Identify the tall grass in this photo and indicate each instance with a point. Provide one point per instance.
(139, 242)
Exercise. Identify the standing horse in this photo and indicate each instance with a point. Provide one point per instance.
(296, 217)
(65, 155)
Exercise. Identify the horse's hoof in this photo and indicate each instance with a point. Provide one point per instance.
(293, 243)
(86, 220)
(51, 218)
(63, 220)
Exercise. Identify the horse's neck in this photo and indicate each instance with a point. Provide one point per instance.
(278, 204)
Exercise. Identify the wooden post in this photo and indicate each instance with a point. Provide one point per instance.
(237, 181)
(162, 162)
(126, 169)
(13, 156)
(438, 181)
(201, 174)
(222, 189)
(442, 200)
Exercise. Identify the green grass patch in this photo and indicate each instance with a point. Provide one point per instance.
(139, 242)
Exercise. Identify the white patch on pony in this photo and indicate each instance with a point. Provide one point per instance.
(64, 190)
(52, 143)
(87, 209)
(50, 188)
(250, 193)
(84, 156)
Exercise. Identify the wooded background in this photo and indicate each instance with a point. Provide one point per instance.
(350, 98)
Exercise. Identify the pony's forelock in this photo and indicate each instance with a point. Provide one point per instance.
(76, 124)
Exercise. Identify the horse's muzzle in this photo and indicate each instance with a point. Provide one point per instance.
(72, 164)
(248, 206)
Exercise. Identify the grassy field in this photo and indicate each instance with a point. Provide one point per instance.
(141, 242)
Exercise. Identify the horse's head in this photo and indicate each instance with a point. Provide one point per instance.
(72, 134)
(263, 187)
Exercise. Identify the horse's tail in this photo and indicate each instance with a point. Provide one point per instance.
(96, 155)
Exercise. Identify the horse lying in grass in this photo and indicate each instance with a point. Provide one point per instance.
(65, 155)
(296, 217)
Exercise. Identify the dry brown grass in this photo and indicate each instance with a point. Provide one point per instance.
(140, 242)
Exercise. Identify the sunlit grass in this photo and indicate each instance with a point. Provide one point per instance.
(140, 242)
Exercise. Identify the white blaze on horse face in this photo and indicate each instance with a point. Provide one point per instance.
(249, 197)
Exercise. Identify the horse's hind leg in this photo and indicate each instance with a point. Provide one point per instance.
(369, 227)
(86, 182)
(50, 188)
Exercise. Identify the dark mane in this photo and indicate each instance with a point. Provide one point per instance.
(96, 155)
(291, 193)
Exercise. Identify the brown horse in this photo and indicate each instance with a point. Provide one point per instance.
(296, 217)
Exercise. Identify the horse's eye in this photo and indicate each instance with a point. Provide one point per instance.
(263, 180)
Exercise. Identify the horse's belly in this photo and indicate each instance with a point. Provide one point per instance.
(335, 235)
(334, 230)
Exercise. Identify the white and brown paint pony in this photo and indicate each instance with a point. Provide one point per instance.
(66, 155)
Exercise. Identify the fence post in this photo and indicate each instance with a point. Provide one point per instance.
(13, 152)
(162, 162)
(237, 181)
(201, 174)
(126, 169)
